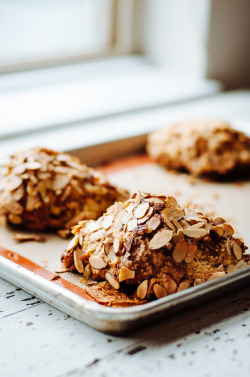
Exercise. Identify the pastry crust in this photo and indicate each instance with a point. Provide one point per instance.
(152, 244)
(43, 189)
(202, 147)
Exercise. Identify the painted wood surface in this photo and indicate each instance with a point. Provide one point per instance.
(38, 340)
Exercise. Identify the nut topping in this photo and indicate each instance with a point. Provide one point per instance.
(112, 280)
(180, 251)
(97, 262)
(159, 291)
(142, 290)
(160, 239)
(125, 274)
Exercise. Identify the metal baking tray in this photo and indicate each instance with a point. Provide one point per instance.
(22, 265)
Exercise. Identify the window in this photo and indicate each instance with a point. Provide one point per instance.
(41, 33)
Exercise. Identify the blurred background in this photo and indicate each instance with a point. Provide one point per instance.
(74, 73)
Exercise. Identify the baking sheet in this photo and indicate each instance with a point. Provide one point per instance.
(33, 267)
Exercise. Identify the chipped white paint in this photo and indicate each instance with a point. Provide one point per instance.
(38, 340)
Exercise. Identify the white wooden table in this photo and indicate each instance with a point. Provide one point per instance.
(212, 340)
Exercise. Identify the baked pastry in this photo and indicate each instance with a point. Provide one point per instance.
(202, 147)
(43, 189)
(153, 246)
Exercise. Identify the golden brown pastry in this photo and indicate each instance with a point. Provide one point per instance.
(152, 245)
(202, 147)
(43, 189)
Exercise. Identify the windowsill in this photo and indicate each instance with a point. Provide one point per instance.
(72, 95)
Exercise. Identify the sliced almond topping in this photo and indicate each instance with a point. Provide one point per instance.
(218, 230)
(195, 233)
(228, 230)
(180, 251)
(183, 285)
(141, 210)
(220, 268)
(138, 199)
(87, 271)
(118, 221)
(32, 202)
(176, 213)
(190, 254)
(112, 280)
(218, 221)
(198, 281)
(241, 264)
(167, 221)
(171, 200)
(153, 223)
(97, 262)
(160, 239)
(197, 226)
(117, 244)
(175, 222)
(228, 247)
(170, 285)
(73, 243)
(14, 182)
(125, 274)
(146, 217)
(60, 181)
(237, 250)
(178, 236)
(216, 275)
(142, 290)
(107, 221)
(159, 291)
(34, 165)
(131, 224)
(77, 260)
(97, 235)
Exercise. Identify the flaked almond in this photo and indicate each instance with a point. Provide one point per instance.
(170, 285)
(160, 239)
(34, 165)
(125, 274)
(228, 229)
(228, 245)
(107, 221)
(131, 224)
(175, 222)
(97, 262)
(60, 181)
(112, 280)
(73, 243)
(117, 244)
(153, 223)
(220, 268)
(190, 254)
(141, 210)
(138, 199)
(237, 250)
(180, 251)
(142, 290)
(159, 291)
(14, 182)
(167, 221)
(87, 271)
(32, 202)
(197, 225)
(77, 260)
(241, 264)
(178, 236)
(195, 233)
(176, 213)
(171, 200)
(118, 221)
(198, 281)
(61, 269)
(216, 275)
(97, 235)
(146, 217)
(183, 285)
(217, 230)
(218, 220)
